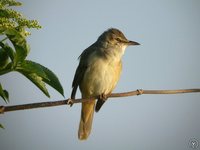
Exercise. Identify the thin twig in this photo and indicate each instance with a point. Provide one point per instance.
(4, 109)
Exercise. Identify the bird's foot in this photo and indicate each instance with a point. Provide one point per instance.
(103, 97)
(70, 102)
(140, 91)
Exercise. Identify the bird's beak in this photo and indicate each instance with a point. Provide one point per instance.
(133, 43)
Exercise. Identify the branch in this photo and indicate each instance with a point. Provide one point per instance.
(73, 101)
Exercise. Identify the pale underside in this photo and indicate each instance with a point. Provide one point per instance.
(100, 77)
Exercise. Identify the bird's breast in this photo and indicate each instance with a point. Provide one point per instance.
(101, 76)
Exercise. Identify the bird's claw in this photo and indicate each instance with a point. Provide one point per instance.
(70, 102)
(140, 91)
(103, 97)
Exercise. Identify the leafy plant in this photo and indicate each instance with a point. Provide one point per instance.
(14, 50)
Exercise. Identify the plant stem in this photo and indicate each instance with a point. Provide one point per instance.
(4, 109)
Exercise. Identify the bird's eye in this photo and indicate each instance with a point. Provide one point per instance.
(118, 39)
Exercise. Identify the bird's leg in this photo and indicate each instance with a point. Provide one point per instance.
(101, 100)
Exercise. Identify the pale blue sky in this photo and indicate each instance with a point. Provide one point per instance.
(168, 58)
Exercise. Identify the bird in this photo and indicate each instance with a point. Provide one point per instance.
(97, 74)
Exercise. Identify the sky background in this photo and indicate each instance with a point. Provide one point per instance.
(168, 58)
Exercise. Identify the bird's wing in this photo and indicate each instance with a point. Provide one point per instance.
(82, 67)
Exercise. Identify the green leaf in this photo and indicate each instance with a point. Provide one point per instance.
(37, 80)
(21, 52)
(7, 69)
(4, 94)
(10, 52)
(41, 74)
(53, 81)
(1, 126)
(10, 3)
(28, 67)
(3, 58)
(19, 42)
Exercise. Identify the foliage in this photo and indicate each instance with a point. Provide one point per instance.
(1, 126)
(14, 50)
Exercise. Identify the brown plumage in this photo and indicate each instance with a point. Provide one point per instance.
(98, 73)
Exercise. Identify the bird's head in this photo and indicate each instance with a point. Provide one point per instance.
(115, 37)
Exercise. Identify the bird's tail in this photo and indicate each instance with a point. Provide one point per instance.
(85, 125)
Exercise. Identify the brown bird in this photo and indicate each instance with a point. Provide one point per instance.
(98, 73)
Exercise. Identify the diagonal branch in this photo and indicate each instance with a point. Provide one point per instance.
(73, 101)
